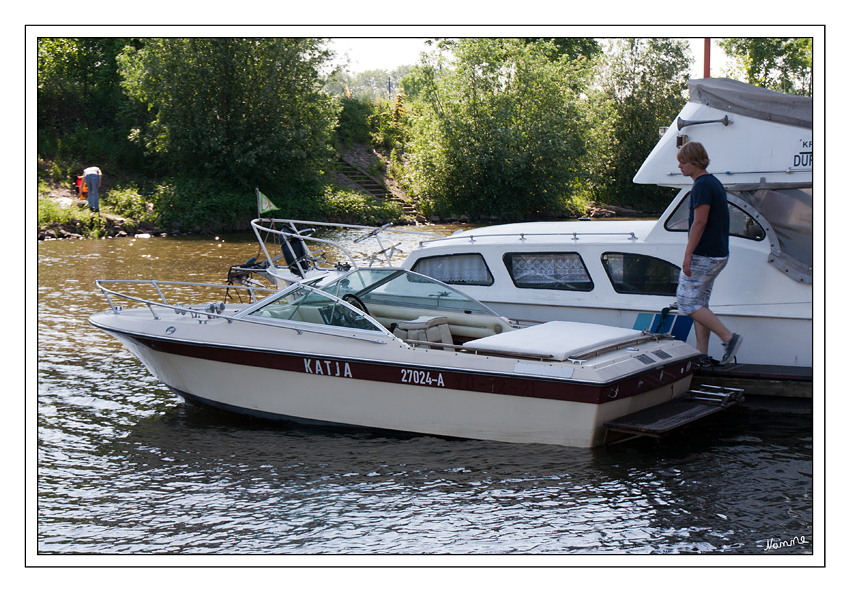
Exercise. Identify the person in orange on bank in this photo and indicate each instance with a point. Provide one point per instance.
(707, 251)
(93, 177)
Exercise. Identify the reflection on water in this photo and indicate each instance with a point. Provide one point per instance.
(126, 467)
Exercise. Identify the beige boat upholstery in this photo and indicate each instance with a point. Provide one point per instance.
(463, 326)
(451, 326)
(424, 328)
(558, 340)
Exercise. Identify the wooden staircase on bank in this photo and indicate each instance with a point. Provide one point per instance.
(365, 182)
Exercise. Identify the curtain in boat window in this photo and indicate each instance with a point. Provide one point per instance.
(466, 270)
(548, 271)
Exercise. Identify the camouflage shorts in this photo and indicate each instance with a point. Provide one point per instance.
(694, 291)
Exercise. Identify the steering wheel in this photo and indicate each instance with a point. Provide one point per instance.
(355, 302)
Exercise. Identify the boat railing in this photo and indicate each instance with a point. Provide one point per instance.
(157, 285)
(522, 236)
(215, 310)
(293, 243)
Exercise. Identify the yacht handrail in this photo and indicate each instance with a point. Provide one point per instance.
(293, 231)
(719, 174)
(524, 235)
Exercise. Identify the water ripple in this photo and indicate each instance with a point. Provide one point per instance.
(124, 467)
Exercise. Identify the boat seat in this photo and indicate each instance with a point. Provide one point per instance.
(424, 328)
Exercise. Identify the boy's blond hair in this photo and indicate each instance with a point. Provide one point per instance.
(693, 153)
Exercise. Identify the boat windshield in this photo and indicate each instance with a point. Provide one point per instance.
(397, 287)
(368, 291)
(304, 305)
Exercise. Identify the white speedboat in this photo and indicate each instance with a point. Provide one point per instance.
(387, 348)
(625, 273)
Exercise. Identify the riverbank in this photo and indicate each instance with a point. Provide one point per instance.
(69, 218)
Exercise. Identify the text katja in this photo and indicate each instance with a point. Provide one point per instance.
(327, 367)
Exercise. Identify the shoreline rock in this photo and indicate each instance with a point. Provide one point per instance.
(114, 227)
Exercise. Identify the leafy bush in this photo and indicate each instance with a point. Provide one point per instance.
(203, 206)
(387, 121)
(347, 206)
(367, 121)
(49, 213)
(128, 203)
(80, 221)
(355, 125)
(501, 133)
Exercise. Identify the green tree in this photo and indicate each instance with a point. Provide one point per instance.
(83, 114)
(783, 64)
(643, 87)
(248, 111)
(500, 132)
(571, 47)
(78, 81)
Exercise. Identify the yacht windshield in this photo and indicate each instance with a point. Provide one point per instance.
(790, 213)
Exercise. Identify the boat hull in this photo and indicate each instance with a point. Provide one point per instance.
(403, 396)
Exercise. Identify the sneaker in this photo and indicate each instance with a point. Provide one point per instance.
(731, 348)
(706, 363)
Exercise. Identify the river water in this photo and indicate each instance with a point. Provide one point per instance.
(125, 467)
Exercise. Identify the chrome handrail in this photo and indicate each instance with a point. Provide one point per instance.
(197, 313)
(156, 285)
(292, 231)
(524, 236)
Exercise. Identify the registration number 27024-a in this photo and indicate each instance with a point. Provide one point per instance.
(421, 377)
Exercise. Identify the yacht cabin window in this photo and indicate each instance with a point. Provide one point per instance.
(740, 223)
(634, 273)
(465, 269)
(548, 271)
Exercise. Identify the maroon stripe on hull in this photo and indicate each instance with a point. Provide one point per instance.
(502, 384)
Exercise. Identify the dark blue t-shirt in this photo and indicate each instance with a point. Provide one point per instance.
(708, 190)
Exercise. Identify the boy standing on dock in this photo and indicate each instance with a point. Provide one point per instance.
(707, 251)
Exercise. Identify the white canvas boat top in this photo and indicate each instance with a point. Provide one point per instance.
(736, 122)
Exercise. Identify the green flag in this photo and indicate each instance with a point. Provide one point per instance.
(265, 204)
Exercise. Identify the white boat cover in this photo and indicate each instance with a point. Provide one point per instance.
(558, 339)
(752, 101)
